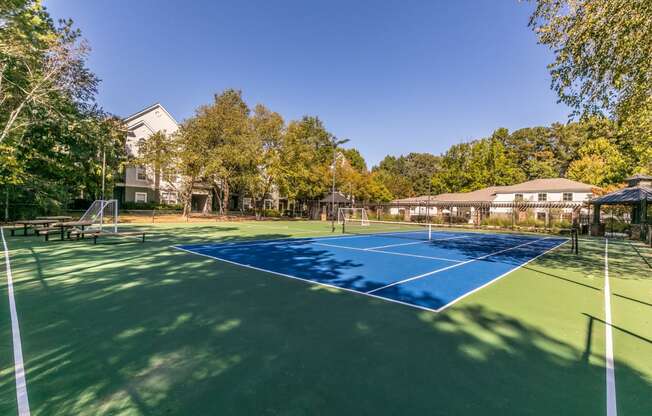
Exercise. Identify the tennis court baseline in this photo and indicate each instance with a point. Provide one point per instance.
(429, 272)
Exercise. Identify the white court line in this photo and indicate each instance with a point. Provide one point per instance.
(441, 308)
(293, 230)
(409, 279)
(417, 242)
(306, 280)
(609, 347)
(255, 242)
(19, 366)
(385, 252)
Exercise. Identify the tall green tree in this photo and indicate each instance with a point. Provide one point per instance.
(266, 170)
(408, 175)
(600, 164)
(603, 52)
(52, 135)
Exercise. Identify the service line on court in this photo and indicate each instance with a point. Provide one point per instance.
(409, 279)
(19, 366)
(417, 242)
(612, 410)
(368, 250)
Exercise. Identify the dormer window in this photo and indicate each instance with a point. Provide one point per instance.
(567, 196)
(543, 197)
(518, 197)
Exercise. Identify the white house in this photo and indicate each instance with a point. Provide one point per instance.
(500, 200)
(542, 190)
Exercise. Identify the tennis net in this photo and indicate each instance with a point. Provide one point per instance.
(410, 230)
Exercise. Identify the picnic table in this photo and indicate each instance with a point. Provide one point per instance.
(34, 224)
(56, 217)
(69, 225)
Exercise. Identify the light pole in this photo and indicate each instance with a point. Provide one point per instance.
(334, 143)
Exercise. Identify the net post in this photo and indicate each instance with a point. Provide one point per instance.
(429, 232)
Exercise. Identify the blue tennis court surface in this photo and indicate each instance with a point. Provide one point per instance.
(405, 268)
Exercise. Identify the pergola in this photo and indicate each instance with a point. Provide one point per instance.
(482, 208)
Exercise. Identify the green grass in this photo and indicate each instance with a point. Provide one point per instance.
(144, 329)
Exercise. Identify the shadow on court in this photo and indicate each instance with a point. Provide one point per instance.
(143, 329)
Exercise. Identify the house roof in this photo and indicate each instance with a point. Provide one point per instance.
(480, 195)
(630, 195)
(547, 185)
(147, 110)
(422, 198)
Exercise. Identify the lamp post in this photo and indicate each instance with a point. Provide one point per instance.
(334, 143)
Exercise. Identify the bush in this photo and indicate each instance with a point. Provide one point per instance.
(272, 213)
(497, 221)
(149, 205)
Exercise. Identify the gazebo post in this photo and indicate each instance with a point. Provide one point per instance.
(596, 214)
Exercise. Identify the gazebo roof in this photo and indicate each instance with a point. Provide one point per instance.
(631, 195)
(339, 198)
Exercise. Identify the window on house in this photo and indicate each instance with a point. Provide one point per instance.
(518, 197)
(541, 216)
(169, 197)
(246, 203)
(543, 197)
(140, 197)
(269, 204)
(141, 173)
(567, 196)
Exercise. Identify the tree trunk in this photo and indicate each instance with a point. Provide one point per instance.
(187, 197)
(220, 203)
(225, 201)
(157, 186)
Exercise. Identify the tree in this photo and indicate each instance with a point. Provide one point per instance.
(267, 146)
(190, 159)
(40, 64)
(307, 158)
(355, 159)
(600, 164)
(603, 52)
(158, 151)
(222, 136)
(408, 175)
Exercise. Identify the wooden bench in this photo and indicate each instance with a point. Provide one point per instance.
(12, 228)
(46, 231)
(100, 234)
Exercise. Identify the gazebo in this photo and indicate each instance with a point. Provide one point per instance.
(330, 203)
(638, 195)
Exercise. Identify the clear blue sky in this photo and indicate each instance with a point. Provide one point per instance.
(391, 76)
